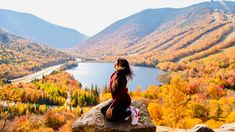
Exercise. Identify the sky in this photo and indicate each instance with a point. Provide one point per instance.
(88, 16)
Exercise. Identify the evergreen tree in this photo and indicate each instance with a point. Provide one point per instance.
(219, 112)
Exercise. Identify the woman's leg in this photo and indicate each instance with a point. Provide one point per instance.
(104, 109)
(124, 113)
(120, 112)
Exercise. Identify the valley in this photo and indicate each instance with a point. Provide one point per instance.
(192, 49)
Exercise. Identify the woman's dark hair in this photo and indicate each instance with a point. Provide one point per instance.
(126, 70)
(123, 72)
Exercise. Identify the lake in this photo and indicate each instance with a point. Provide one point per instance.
(98, 73)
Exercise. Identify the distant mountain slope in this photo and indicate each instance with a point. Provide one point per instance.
(32, 27)
(183, 34)
(19, 56)
(126, 32)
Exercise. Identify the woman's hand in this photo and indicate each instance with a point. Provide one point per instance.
(109, 113)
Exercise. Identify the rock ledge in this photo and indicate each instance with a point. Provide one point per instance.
(93, 121)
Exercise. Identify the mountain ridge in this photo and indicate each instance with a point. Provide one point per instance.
(30, 26)
(182, 29)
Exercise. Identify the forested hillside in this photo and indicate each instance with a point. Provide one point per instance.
(173, 35)
(19, 56)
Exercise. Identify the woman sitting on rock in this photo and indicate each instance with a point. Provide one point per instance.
(119, 108)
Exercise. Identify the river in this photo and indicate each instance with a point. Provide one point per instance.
(98, 73)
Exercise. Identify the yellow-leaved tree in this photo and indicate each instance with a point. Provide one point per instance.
(174, 100)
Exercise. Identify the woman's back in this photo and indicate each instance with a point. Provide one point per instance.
(121, 100)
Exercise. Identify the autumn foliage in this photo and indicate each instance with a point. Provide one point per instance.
(42, 104)
(19, 56)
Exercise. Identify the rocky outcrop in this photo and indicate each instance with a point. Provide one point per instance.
(201, 128)
(164, 78)
(94, 121)
(197, 128)
(228, 127)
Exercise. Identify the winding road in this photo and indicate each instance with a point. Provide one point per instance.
(37, 75)
(40, 74)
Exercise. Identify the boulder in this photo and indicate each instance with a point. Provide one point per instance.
(202, 128)
(94, 121)
(196, 128)
(228, 127)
